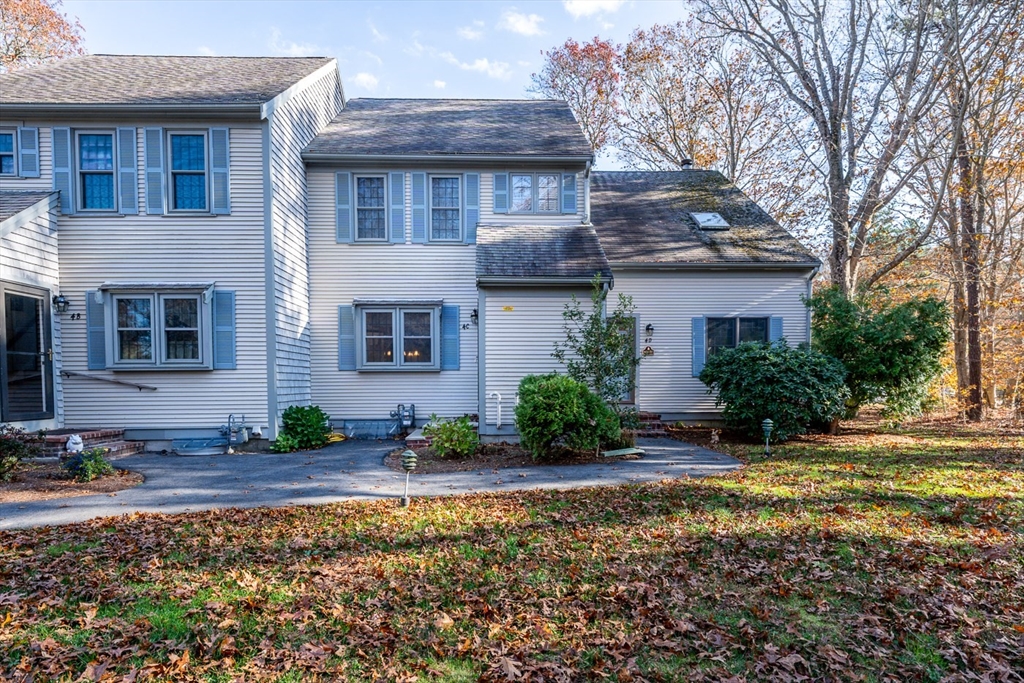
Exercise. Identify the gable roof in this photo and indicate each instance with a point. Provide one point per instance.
(13, 202)
(430, 128)
(100, 81)
(644, 218)
(539, 252)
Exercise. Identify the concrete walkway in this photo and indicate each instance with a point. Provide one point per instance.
(350, 470)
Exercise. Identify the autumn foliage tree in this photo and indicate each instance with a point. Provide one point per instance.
(35, 32)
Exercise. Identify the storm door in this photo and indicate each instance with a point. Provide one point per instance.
(26, 359)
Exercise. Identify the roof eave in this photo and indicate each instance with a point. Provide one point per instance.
(328, 158)
(719, 265)
(206, 110)
(511, 281)
(29, 213)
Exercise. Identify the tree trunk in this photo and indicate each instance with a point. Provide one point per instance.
(969, 236)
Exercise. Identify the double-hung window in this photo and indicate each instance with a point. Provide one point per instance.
(187, 152)
(727, 333)
(371, 214)
(96, 177)
(535, 193)
(445, 208)
(8, 156)
(160, 329)
(399, 337)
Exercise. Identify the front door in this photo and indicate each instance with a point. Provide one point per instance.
(26, 359)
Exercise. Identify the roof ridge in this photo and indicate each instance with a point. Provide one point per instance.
(110, 54)
(454, 99)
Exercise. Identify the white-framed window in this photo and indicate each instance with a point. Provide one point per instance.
(727, 333)
(398, 337)
(188, 183)
(94, 164)
(371, 208)
(160, 329)
(445, 208)
(535, 193)
(8, 152)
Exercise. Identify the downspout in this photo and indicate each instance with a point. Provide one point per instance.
(810, 280)
(586, 195)
(270, 293)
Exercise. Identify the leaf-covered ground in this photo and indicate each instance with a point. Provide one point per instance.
(866, 557)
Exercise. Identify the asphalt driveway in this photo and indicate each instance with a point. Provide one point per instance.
(350, 470)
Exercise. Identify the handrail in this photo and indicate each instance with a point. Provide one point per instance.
(140, 387)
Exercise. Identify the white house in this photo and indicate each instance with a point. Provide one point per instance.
(232, 237)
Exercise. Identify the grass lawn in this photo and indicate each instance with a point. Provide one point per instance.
(888, 556)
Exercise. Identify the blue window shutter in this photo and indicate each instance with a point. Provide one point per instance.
(698, 345)
(224, 330)
(501, 193)
(346, 338)
(398, 208)
(472, 206)
(419, 207)
(220, 164)
(568, 193)
(775, 329)
(127, 171)
(96, 331)
(343, 206)
(62, 176)
(28, 148)
(155, 190)
(449, 337)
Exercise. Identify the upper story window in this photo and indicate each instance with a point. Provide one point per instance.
(96, 180)
(445, 208)
(8, 158)
(188, 164)
(371, 212)
(727, 333)
(535, 193)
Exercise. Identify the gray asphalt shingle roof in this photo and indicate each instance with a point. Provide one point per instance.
(644, 217)
(528, 128)
(13, 202)
(539, 251)
(154, 80)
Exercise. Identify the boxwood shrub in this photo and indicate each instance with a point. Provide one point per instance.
(557, 411)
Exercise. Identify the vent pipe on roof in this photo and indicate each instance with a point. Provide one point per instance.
(686, 164)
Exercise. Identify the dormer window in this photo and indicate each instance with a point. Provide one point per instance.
(535, 193)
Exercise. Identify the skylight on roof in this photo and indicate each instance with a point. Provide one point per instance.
(710, 221)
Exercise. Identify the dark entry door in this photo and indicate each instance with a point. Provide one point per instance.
(26, 359)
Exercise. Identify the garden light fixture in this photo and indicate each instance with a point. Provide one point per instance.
(766, 427)
(408, 464)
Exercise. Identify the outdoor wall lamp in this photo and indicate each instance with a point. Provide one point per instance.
(474, 317)
(649, 329)
(61, 303)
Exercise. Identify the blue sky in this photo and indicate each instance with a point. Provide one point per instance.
(384, 49)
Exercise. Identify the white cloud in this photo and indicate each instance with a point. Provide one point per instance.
(378, 37)
(439, 85)
(588, 8)
(206, 51)
(523, 24)
(366, 81)
(287, 48)
(470, 33)
(483, 65)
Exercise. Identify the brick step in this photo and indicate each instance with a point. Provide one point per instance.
(121, 449)
(54, 442)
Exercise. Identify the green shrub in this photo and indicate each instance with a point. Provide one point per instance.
(891, 351)
(303, 428)
(452, 438)
(15, 445)
(794, 387)
(555, 410)
(88, 465)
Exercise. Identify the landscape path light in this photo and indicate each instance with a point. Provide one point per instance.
(766, 427)
(408, 464)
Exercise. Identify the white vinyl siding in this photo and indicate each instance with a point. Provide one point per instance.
(521, 327)
(340, 273)
(292, 126)
(227, 250)
(670, 300)
(28, 256)
(488, 217)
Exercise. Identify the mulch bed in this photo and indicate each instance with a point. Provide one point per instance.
(45, 481)
(492, 456)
